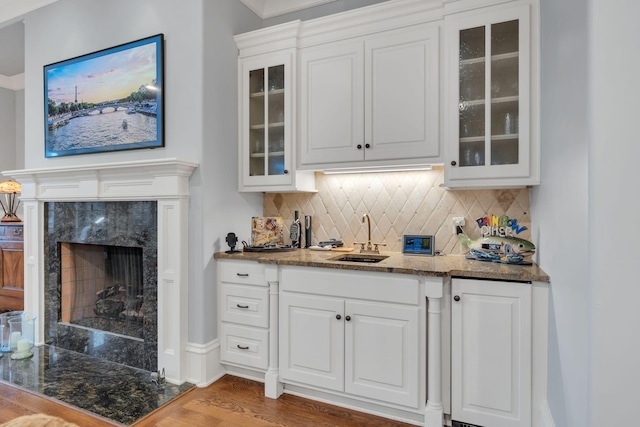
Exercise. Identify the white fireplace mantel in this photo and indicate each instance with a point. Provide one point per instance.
(163, 180)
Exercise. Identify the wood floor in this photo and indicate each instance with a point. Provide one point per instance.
(229, 402)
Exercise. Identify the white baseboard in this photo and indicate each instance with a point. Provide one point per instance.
(203, 363)
(546, 416)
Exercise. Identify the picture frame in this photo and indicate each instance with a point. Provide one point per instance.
(108, 100)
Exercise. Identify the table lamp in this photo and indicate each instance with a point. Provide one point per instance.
(9, 189)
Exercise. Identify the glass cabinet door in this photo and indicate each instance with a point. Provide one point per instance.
(489, 95)
(489, 100)
(267, 121)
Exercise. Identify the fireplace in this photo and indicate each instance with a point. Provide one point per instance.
(159, 231)
(102, 280)
(101, 288)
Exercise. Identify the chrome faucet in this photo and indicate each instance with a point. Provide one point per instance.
(369, 248)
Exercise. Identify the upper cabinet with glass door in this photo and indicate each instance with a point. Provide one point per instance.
(491, 138)
(266, 122)
(266, 128)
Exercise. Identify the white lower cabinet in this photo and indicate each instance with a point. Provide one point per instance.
(363, 348)
(491, 357)
(244, 314)
(359, 339)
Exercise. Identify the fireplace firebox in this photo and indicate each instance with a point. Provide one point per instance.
(101, 288)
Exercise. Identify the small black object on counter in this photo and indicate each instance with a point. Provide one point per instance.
(232, 240)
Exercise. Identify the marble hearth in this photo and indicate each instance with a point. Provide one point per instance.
(163, 181)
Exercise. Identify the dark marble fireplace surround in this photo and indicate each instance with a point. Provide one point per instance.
(121, 223)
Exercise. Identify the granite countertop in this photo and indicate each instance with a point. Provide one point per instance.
(439, 266)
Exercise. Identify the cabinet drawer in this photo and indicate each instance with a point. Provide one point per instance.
(248, 305)
(244, 346)
(11, 233)
(248, 273)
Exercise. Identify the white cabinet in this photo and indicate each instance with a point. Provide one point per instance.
(244, 314)
(362, 347)
(312, 338)
(266, 88)
(491, 101)
(371, 100)
(491, 353)
(381, 352)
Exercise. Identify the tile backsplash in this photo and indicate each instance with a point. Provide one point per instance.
(398, 203)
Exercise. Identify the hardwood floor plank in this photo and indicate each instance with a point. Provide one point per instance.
(229, 402)
(15, 402)
(235, 402)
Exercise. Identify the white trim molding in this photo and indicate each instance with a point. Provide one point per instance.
(163, 180)
(203, 361)
(546, 416)
(270, 8)
(12, 82)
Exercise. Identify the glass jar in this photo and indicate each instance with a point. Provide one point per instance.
(5, 342)
(22, 333)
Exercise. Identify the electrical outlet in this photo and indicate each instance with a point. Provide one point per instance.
(458, 221)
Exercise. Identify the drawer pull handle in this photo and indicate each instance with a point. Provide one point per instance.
(242, 347)
(242, 306)
(242, 274)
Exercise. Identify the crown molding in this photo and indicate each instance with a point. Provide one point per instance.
(12, 10)
(270, 8)
(12, 82)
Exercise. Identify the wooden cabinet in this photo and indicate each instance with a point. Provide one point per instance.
(491, 101)
(244, 315)
(366, 347)
(371, 100)
(491, 353)
(11, 267)
(267, 116)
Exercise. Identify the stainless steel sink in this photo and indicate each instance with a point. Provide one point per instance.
(365, 258)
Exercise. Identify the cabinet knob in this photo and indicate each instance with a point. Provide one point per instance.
(243, 347)
(456, 298)
(359, 146)
(242, 274)
(347, 318)
(242, 306)
(367, 145)
(453, 163)
(286, 171)
(338, 317)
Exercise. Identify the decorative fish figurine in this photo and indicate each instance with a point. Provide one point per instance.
(511, 250)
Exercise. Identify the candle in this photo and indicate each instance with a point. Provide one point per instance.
(23, 345)
(15, 337)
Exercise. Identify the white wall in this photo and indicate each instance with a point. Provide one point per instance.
(7, 130)
(560, 205)
(195, 94)
(19, 111)
(222, 208)
(590, 152)
(614, 183)
(71, 28)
